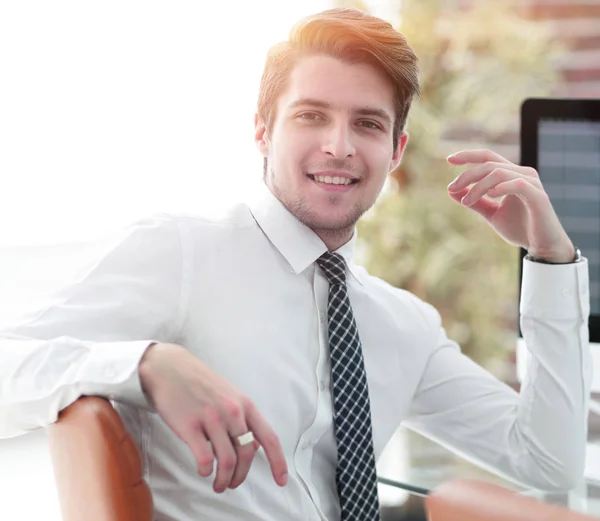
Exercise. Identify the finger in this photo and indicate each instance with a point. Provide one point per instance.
(474, 174)
(484, 207)
(224, 451)
(475, 156)
(270, 443)
(201, 450)
(481, 188)
(457, 196)
(245, 456)
(235, 413)
(479, 172)
(529, 194)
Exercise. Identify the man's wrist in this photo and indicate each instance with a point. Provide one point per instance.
(573, 256)
(144, 370)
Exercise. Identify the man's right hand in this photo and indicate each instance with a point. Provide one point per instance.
(207, 413)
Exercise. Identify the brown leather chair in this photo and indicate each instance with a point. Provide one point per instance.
(97, 466)
(470, 500)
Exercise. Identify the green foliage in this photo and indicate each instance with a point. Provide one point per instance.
(477, 65)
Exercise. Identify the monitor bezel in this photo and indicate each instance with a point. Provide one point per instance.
(532, 111)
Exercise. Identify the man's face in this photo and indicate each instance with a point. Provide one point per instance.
(331, 145)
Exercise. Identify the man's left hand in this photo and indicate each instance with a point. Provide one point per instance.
(513, 201)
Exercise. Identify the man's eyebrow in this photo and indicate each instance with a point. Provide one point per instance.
(312, 102)
(378, 113)
(362, 111)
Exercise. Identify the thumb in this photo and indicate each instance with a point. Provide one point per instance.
(484, 207)
(457, 196)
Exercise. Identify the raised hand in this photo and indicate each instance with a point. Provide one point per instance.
(208, 414)
(513, 201)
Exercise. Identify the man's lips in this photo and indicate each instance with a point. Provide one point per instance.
(333, 182)
(335, 177)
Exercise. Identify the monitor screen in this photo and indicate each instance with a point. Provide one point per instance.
(560, 138)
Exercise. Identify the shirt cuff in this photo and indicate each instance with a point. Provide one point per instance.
(116, 364)
(555, 291)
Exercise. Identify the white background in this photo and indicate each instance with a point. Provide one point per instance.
(113, 110)
(110, 111)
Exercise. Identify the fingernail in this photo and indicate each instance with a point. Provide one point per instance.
(284, 479)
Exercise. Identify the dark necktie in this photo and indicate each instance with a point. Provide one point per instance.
(356, 473)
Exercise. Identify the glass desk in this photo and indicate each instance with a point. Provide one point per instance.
(412, 465)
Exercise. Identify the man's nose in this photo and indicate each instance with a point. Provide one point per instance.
(338, 141)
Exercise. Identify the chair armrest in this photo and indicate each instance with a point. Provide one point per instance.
(97, 465)
(465, 499)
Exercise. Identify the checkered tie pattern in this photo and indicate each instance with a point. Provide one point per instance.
(356, 472)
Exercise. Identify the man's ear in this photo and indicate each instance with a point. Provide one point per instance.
(397, 156)
(261, 136)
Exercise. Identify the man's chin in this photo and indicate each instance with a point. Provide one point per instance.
(332, 214)
(329, 221)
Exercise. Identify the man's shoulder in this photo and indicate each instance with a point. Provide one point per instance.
(233, 216)
(236, 216)
(169, 231)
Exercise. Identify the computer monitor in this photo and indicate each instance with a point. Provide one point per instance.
(560, 138)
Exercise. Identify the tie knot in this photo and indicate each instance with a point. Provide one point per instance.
(334, 267)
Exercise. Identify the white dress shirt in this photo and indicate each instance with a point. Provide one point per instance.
(242, 293)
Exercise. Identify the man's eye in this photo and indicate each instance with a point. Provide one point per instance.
(370, 124)
(310, 116)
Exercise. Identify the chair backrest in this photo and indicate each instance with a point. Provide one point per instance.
(470, 500)
(97, 466)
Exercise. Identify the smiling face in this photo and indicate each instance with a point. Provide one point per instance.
(331, 144)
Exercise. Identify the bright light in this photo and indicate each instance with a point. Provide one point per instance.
(113, 110)
(110, 111)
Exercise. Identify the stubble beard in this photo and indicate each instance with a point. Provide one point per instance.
(338, 231)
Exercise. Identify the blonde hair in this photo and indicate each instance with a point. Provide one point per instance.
(353, 37)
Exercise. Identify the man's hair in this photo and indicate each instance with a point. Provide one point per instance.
(353, 37)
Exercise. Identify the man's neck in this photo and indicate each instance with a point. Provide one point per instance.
(335, 239)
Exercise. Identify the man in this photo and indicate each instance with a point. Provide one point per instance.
(252, 350)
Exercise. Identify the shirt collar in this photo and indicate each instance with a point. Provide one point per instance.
(299, 245)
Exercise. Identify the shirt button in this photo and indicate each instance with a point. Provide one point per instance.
(306, 445)
(566, 292)
(322, 385)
